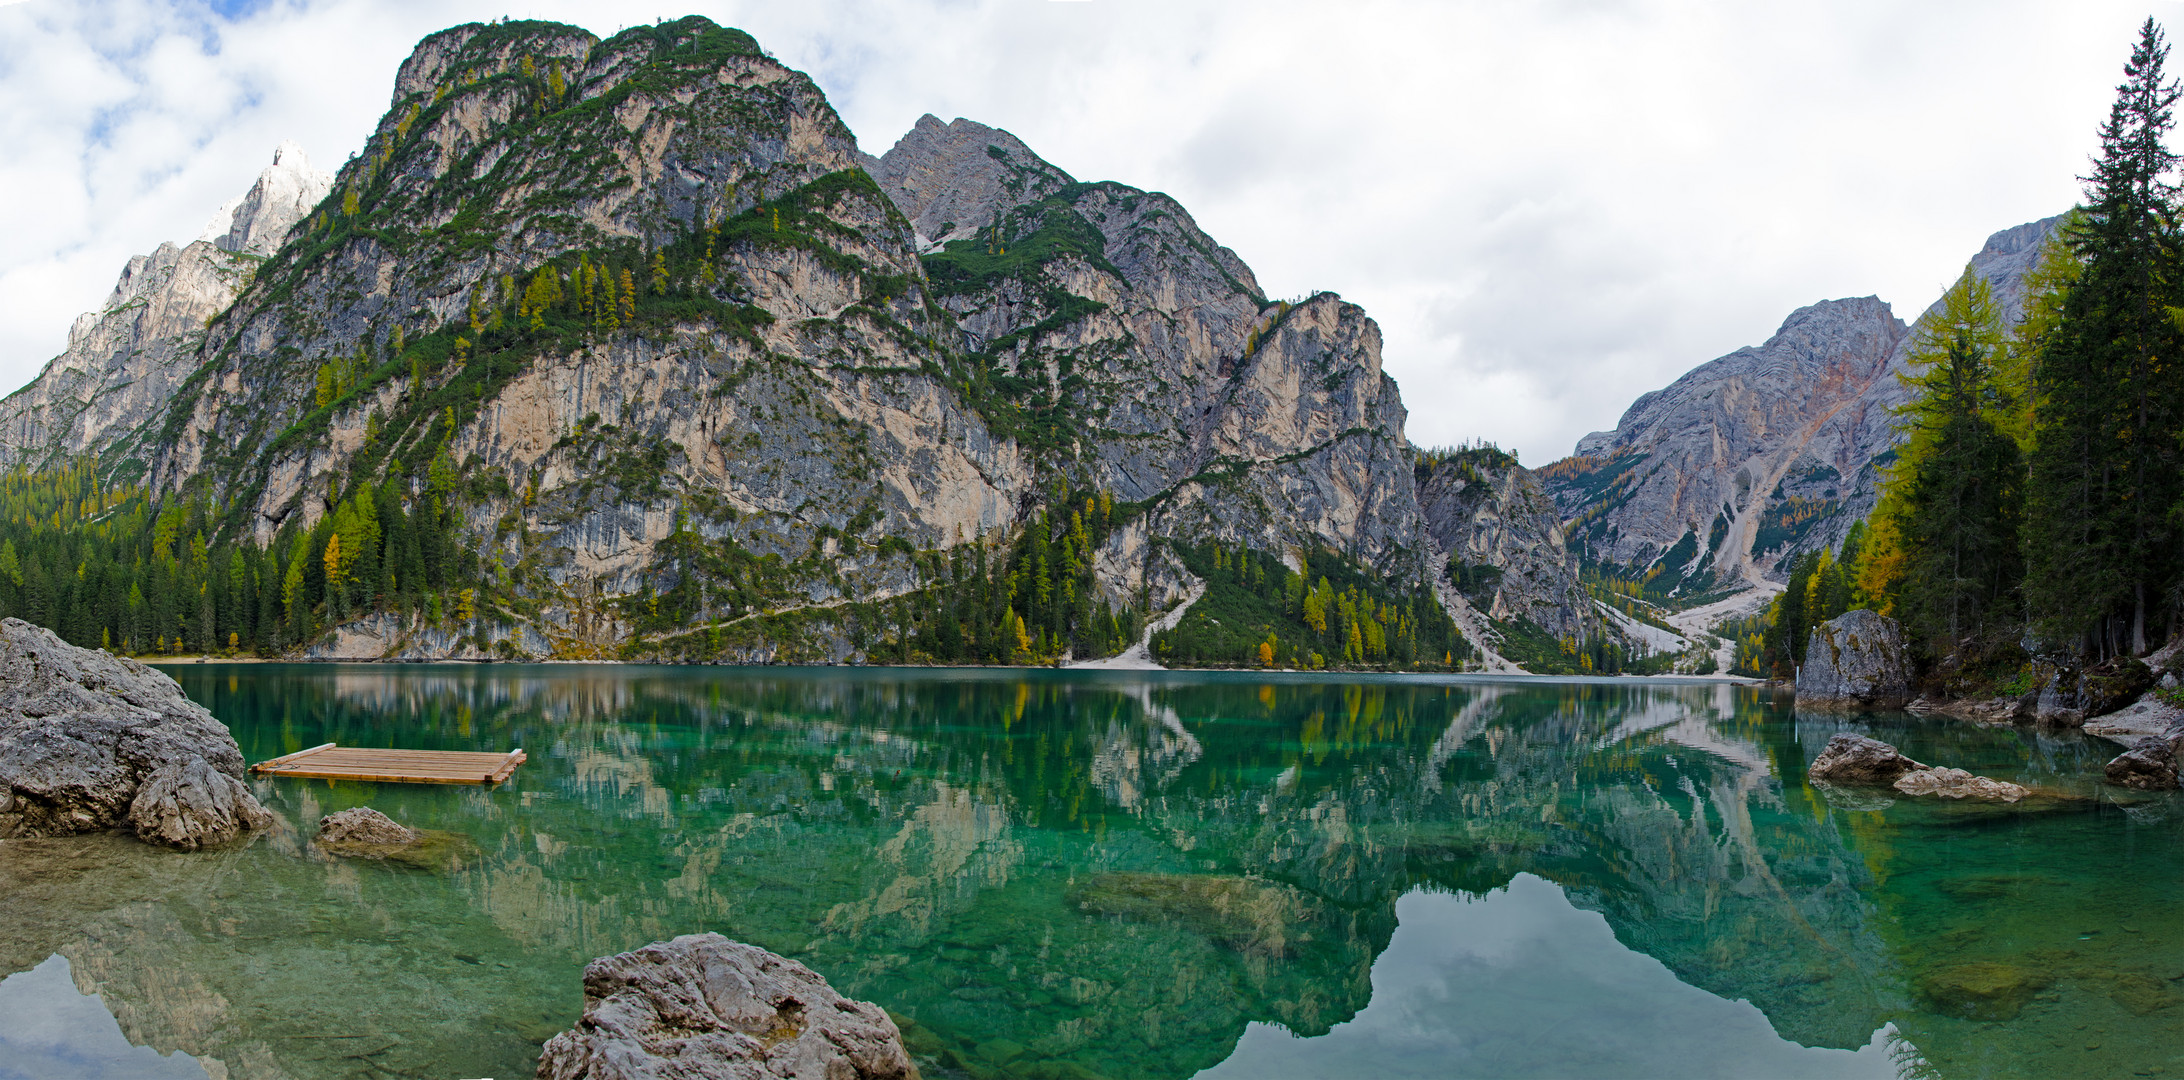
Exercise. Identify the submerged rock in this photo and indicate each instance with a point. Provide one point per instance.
(1245, 914)
(2149, 765)
(1983, 990)
(91, 741)
(704, 1006)
(1855, 661)
(365, 833)
(1958, 784)
(363, 825)
(1855, 759)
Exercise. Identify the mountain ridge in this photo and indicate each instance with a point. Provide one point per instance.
(621, 347)
(614, 323)
(1717, 480)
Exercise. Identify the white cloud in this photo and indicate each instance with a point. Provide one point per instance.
(1550, 207)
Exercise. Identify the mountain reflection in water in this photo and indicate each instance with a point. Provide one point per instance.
(1143, 875)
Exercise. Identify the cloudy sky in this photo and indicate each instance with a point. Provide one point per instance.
(1550, 206)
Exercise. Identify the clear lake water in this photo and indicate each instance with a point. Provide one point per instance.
(1128, 874)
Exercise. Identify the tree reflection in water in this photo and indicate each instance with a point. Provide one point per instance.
(1063, 874)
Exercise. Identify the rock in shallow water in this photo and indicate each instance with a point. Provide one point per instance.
(90, 741)
(1855, 759)
(1958, 784)
(362, 825)
(2149, 765)
(702, 1006)
(365, 833)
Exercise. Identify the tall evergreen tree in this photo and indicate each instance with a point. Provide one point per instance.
(2098, 542)
(1954, 497)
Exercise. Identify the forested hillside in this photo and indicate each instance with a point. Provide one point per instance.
(2033, 508)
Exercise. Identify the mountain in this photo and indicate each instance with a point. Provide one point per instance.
(622, 347)
(1510, 578)
(1711, 484)
(124, 361)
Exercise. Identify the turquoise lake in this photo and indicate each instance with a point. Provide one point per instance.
(1061, 874)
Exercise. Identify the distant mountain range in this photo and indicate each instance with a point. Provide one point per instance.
(639, 316)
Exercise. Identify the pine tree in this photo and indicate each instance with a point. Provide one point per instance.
(2099, 544)
(1953, 501)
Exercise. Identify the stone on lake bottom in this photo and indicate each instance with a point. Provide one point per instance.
(1982, 991)
(702, 1006)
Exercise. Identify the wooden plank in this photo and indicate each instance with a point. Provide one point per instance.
(515, 757)
(389, 765)
(387, 778)
(286, 758)
(484, 761)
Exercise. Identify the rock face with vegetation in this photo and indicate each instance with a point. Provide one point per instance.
(1771, 451)
(704, 1006)
(1496, 538)
(623, 348)
(124, 362)
(1855, 661)
(90, 742)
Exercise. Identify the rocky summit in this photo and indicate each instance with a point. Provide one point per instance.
(124, 361)
(1714, 482)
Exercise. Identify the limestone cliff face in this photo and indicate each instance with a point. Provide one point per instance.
(1765, 453)
(1498, 535)
(124, 361)
(1177, 382)
(954, 180)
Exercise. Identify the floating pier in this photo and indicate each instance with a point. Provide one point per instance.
(394, 766)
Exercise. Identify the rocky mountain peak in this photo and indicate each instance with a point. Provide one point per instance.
(125, 359)
(475, 50)
(1766, 453)
(954, 179)
(258, 221)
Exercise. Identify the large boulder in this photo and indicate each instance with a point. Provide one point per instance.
(2149, 765)
(1855, 759)
(90, 741)
(1855, 661)
(702, 1006)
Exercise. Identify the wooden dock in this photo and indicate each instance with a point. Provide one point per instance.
(332, 762)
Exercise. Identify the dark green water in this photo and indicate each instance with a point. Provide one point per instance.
(1129, 875)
